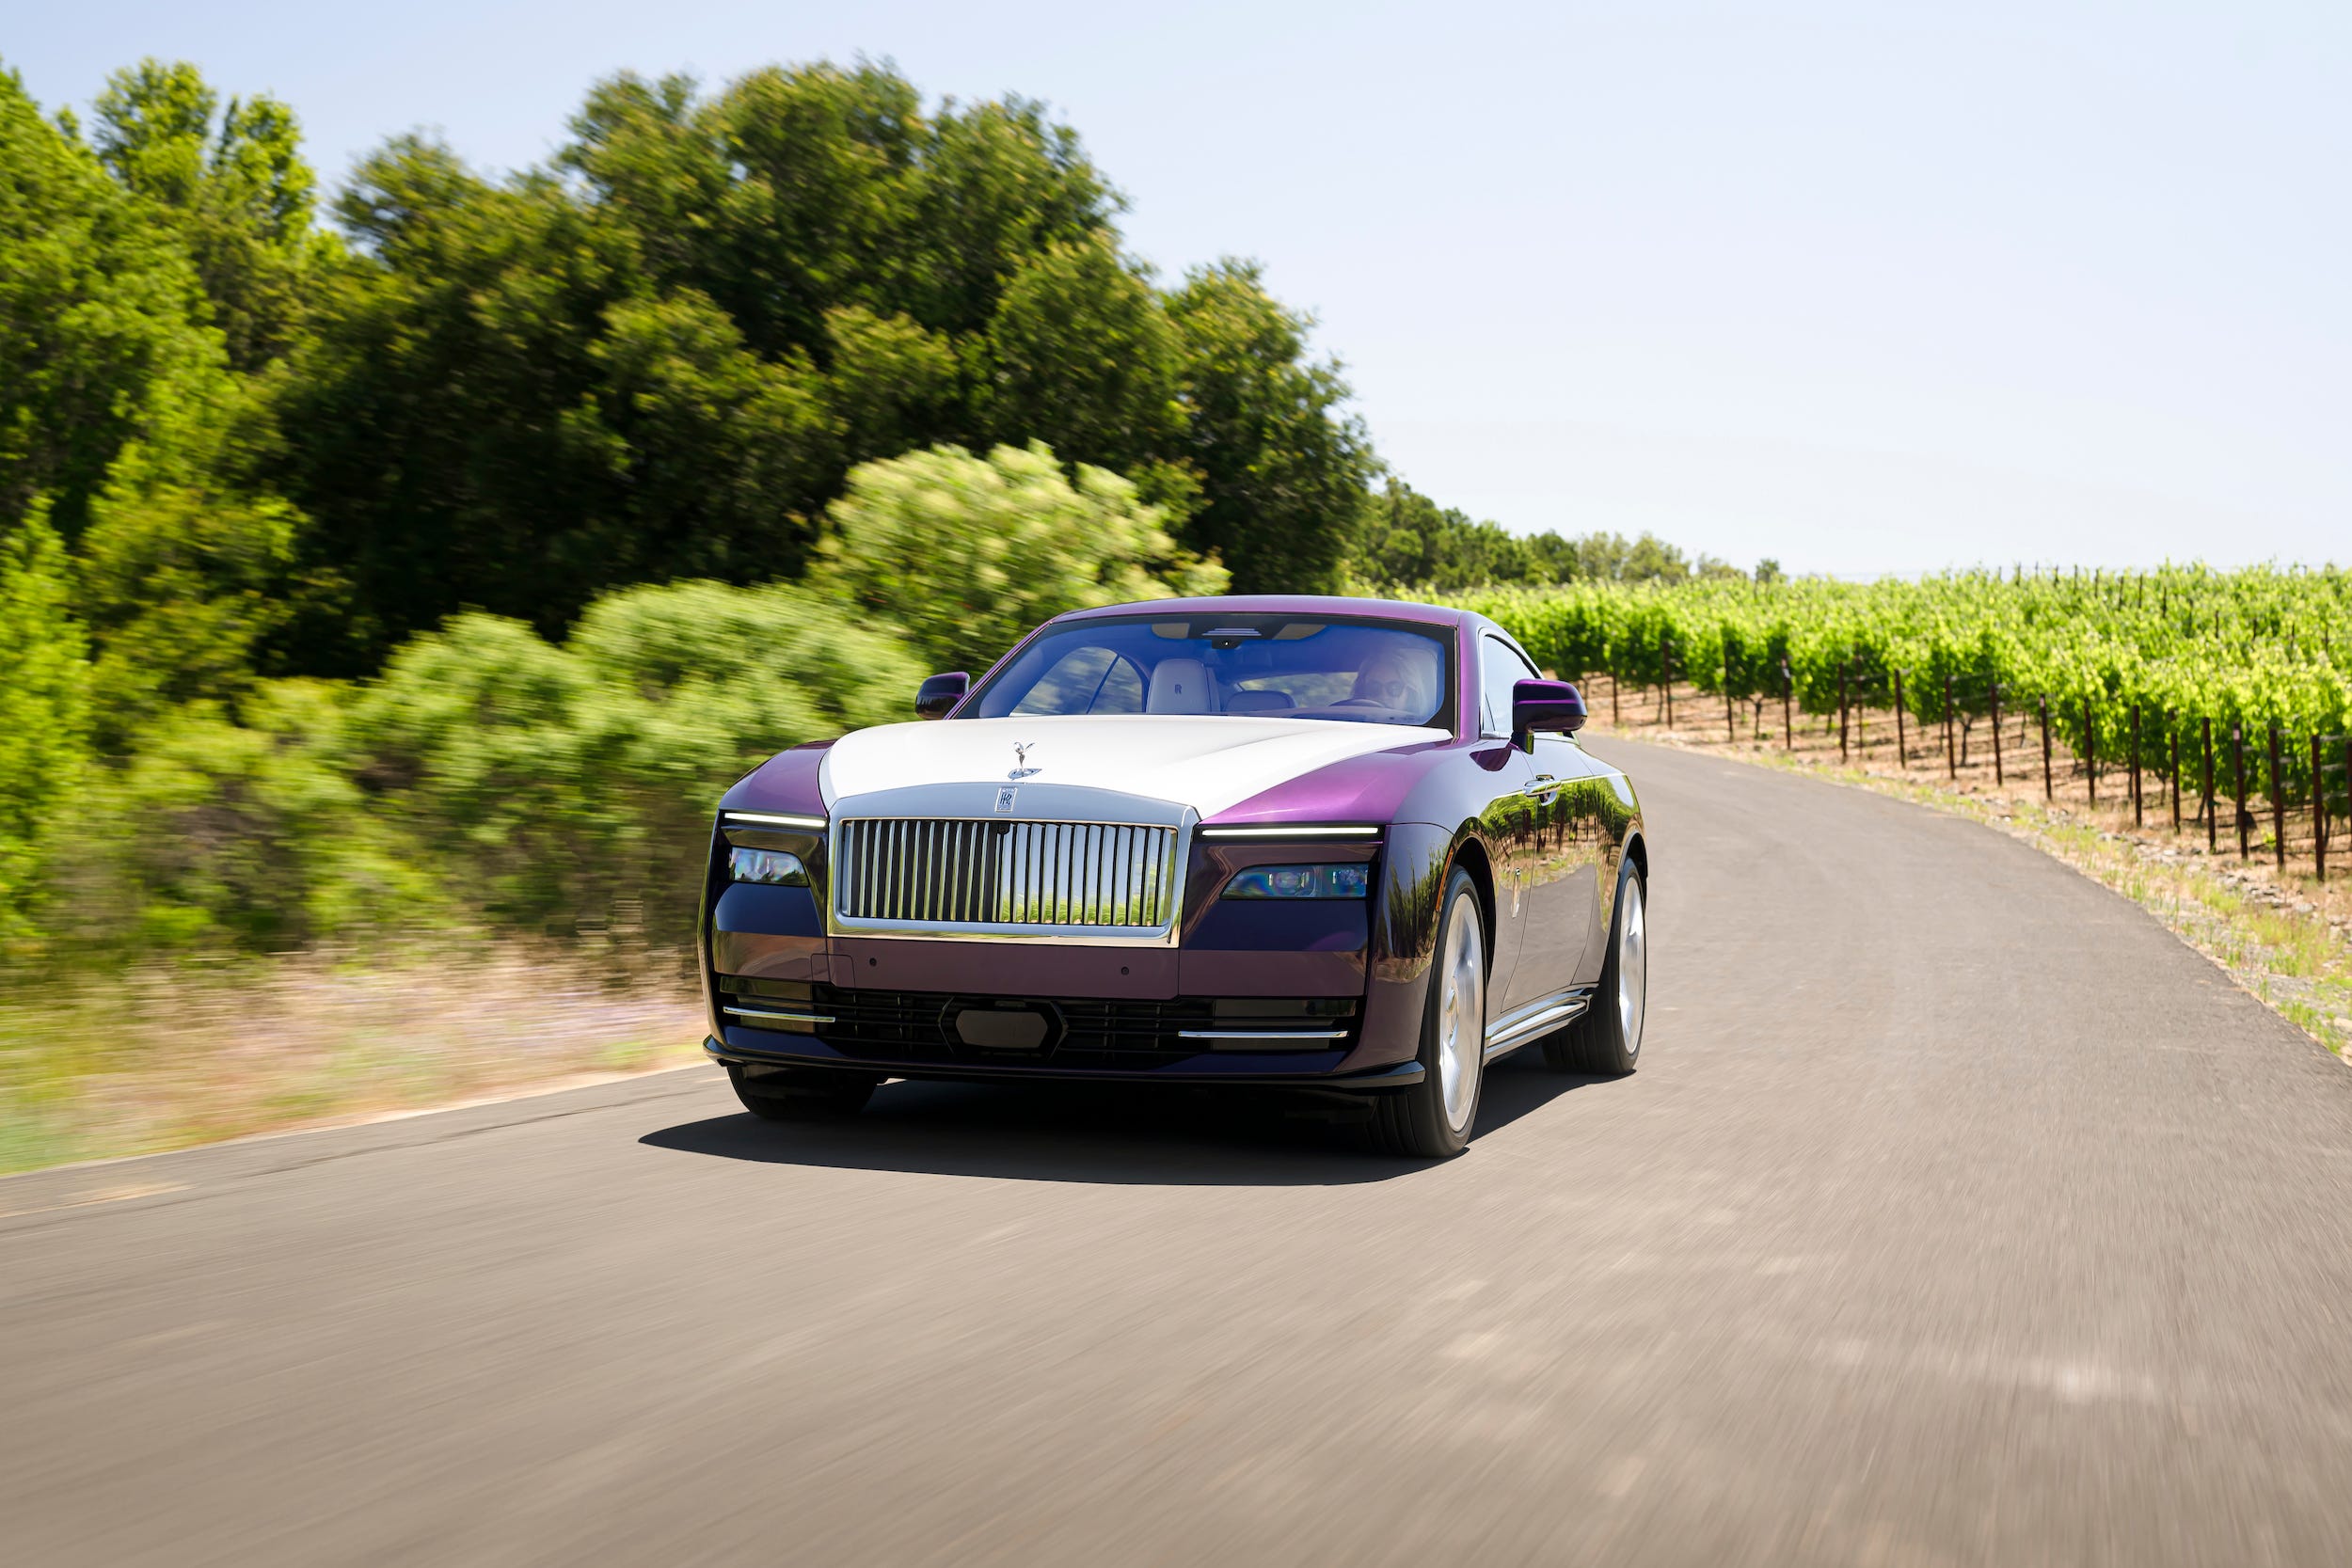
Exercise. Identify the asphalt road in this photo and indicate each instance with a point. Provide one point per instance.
(1957, 1216)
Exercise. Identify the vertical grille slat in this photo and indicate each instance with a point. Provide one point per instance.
(964, 872)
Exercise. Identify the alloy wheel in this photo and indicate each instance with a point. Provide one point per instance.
(1462, 1014)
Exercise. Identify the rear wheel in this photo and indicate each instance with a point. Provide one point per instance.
(1607, 1040)
(1432, 1120)
(802, 1094)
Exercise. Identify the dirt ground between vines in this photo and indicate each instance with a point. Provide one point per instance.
(2282, 934)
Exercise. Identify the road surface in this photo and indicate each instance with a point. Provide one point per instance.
(1958, 1215)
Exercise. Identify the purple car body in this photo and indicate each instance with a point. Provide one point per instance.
(1196, 876)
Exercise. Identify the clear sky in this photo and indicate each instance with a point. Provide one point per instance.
(1866, 287)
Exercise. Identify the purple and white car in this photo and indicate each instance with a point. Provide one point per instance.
(1343, 846)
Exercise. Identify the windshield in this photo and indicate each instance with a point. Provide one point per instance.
(1260, 666)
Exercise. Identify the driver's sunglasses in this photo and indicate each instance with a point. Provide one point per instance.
(1386, 689)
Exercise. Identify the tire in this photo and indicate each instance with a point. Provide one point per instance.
(1432, 1120)
(1607, 1041)
(802, 1094)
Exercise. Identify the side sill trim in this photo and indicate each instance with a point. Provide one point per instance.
(1502, 1036)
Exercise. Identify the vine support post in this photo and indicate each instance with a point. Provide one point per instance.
(2319, 814)
(2172, 742)
(1992, 690)
(1731, 727)
(1843, 671)
(1615, 685)
(2278, 801)
(1667, 674)
(2237, 768)
(2049, 790)
(1788, 725)
(1951, 756)
(2137, 820)
(2091, 754)
(2204, 728)
(1903, 750)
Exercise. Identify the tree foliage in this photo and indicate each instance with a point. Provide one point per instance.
(968, 553)
(43, 712)
(102, 327)
(1281, 473)
(663, 355)
(1408, 541)
(234, 183)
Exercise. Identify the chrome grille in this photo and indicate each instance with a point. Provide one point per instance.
(995, 872)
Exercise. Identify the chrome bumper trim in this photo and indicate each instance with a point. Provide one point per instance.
(757, 1014)
(1262, 1033)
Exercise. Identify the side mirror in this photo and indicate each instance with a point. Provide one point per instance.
(1554, 707)
(937, 697)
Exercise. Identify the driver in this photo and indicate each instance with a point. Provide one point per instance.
(1384, 682)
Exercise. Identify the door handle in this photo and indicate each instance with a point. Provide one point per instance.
(1544, 787)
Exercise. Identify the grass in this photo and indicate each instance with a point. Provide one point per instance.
(170, 1057)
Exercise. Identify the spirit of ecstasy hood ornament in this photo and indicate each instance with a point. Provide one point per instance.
(1020, 768)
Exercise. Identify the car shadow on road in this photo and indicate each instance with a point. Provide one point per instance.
(1110, 1133)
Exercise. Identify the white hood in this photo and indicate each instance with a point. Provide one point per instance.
(1207, 764)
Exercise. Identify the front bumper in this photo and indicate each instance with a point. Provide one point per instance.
(772, 940)
(1310, 1069)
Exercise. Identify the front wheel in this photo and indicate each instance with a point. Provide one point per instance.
(802, 1094)
(1607, 1040)
(1432, 1120)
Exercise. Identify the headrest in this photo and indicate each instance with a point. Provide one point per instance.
(1180, 685)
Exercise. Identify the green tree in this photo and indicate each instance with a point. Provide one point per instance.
(1281, 472)
(181, 584)
(969, 553)
(43, 714)
(449, 424)
(1080, 355)
(100, 319)
(1410, 542)
(663, 357)
(891, 383)
(238, 187)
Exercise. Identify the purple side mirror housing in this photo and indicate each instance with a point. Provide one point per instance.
(937, 696)
(1554, 707)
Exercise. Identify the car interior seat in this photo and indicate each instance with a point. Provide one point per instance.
(1181, 685)
(1258, 702)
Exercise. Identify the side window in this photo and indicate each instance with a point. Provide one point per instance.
(1499, 669)
(1121, 690)
(1086, 680)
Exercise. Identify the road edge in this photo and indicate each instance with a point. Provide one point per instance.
(2326, 1019)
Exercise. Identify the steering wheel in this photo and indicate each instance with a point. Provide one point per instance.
(1358, 702)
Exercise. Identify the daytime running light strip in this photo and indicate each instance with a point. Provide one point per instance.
(1290, 832)
(773, 819)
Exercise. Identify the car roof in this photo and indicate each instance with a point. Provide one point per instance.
(1283, 604)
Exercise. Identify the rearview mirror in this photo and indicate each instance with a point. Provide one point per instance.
(937, 697)
(1553, 707)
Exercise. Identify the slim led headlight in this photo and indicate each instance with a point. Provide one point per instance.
(1352, 880)
(774, 867)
